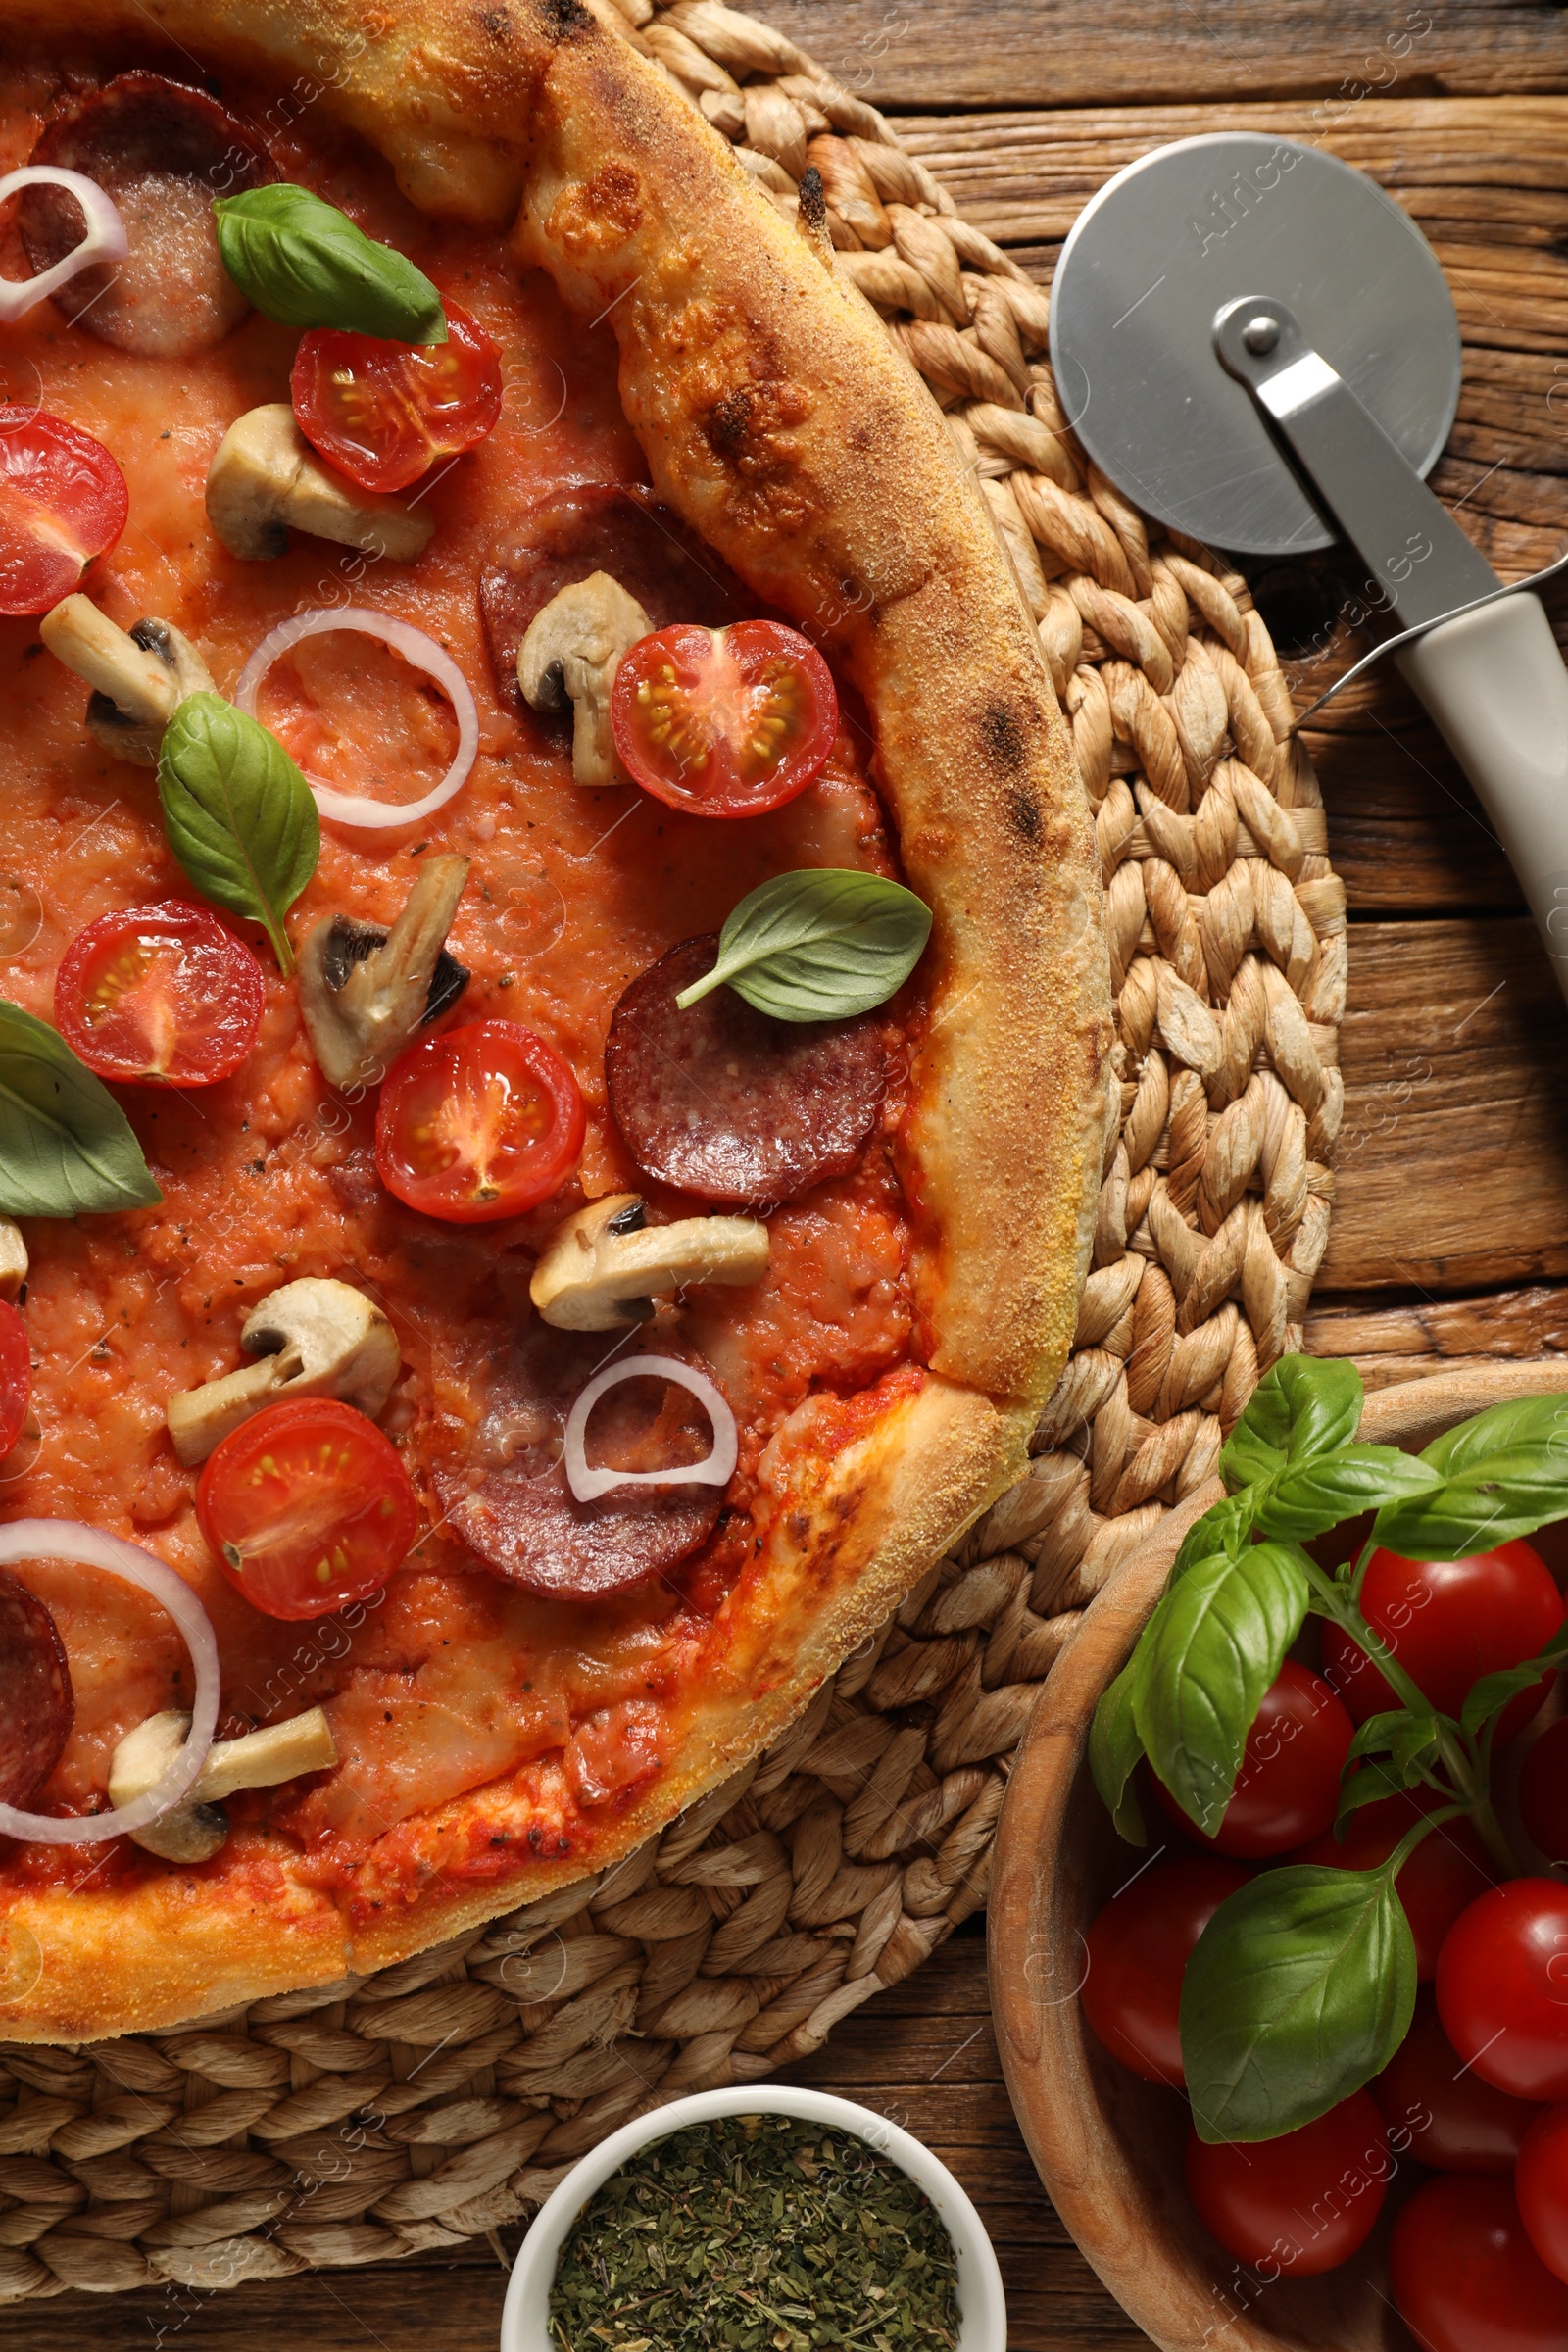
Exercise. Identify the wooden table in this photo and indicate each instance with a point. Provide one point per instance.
(1450, 1233)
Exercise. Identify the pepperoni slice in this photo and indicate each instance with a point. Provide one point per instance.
(37, 1701)
(728, 1103)
(618, 527)
(510, 1503)
(162, 151)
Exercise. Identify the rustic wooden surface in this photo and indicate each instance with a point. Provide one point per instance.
(1449, 1238)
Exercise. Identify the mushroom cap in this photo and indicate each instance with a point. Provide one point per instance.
(602, 1267)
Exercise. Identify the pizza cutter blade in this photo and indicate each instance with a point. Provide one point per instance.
(1257, 346)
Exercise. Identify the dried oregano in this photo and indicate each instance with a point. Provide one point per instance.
(756, 2233)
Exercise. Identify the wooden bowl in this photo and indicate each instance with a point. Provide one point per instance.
(1107, 2144)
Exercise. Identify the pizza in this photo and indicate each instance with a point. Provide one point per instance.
(552, 1016)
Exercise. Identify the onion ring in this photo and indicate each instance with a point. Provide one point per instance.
(104, 239)
(89, 1548)
(716, 1468)
(418, 649)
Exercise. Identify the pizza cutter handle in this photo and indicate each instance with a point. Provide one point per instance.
(1495, 683)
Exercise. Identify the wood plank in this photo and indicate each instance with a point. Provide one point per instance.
(1420, 1335)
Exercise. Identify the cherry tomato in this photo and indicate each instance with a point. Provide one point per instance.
(1449, 1622)
(1139, 1947)
(1288, 1788)
(1455, 2122)
(308, 1506)
(1465, 2276)
(16, 1375)
(481, 1123)
(1502, 1987)
(1446, 1872)
(725, 722)
(1302, 2203)
(63, 501)
(160, 994)
(382, 411)
(1541, 2184)
(1544, 1791)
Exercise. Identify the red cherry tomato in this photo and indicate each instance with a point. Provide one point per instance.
(16, 1375)
(1302, 2203)
(1465, 2276)
(1288, 1788)
(1449, 1622)
(1540, 2186)
(382, 411)
(1502, 1987)
(63, 501)
(1446, 1872)
(308, 1506)
(160, 994)
(1453, 2120)
(1544, 1791)
(725, 722)
(481, 1123)
(1138, 1950)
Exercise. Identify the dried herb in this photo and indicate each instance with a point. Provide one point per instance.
(756, 2233)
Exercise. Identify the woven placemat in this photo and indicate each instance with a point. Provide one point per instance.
(444, 2097)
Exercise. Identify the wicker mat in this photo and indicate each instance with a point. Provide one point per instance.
(447, 2096)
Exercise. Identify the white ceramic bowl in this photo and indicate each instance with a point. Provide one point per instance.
(982, 2311)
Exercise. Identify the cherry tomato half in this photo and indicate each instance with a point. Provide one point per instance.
(1302, 2203)
(161, 994)
(308, 1506)
(1544, 1791)
(1446, 1872)
(1138, 1950)
(1450, 1622)
(725, 722)
(62, 500)
(16, 1375)
(1288, 1788)
(1502, 1987)
(1464, 2275)
(481, 1123)
(382, 411)
(1541, 2183)
(1455, 2122)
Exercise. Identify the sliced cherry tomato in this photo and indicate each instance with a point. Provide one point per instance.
(1455, 2122)
(1302, 2203)
(62, 500)
(1465, 2276)
(1450, 1622)
(1541, 2184)
(308, 1506)
(16, 1375)
(161, 994)
(725, 722)
(1502, 1987)
(382, 411)
(1138, 1950)
(1544, 1791)
(1288, 1788)
(481, 1123)
(1446, 1874)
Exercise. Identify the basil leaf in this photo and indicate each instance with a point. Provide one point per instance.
(1492, 1693)
(239, 817)
(66, 1146)
(1114, 1754)
(1310, 1497)
(818, 946)
(1225, 1528)
(1211, 1652)
(304, 264)
(1374, 1781)
(1300, 1990)
(1306, 1405)
(1503, 1474)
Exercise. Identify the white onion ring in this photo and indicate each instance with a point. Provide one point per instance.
(421, 653)
(714, 1470)
(104, 240)
(89, 1548)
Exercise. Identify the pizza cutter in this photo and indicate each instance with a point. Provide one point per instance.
(1257, 346)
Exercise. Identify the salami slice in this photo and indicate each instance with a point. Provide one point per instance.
(162, 152)
(728, 1103)
(511, 1502)
(618, 527)
(36, 1701)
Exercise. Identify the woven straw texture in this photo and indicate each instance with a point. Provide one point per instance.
(444, 2097)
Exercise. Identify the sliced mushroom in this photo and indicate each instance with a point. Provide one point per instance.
(13, 1260)
(572, 652)
(139, 676)
(316, 1338)
(196, 1828)
(363, 991)
(602, 1267)
(265, 479)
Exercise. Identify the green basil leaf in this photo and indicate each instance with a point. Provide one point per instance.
(1306, 1405)
(239, 817)
(1374, 1781)
(1114, 1754)
(304, 264)
(1224, 1531)
(1310, 1497)
(1380, 1734)
(1300, 1990)
(1211, 1651)
(1492, 1693)
(66, 1146)
(1503, 1475)
(818, 946)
